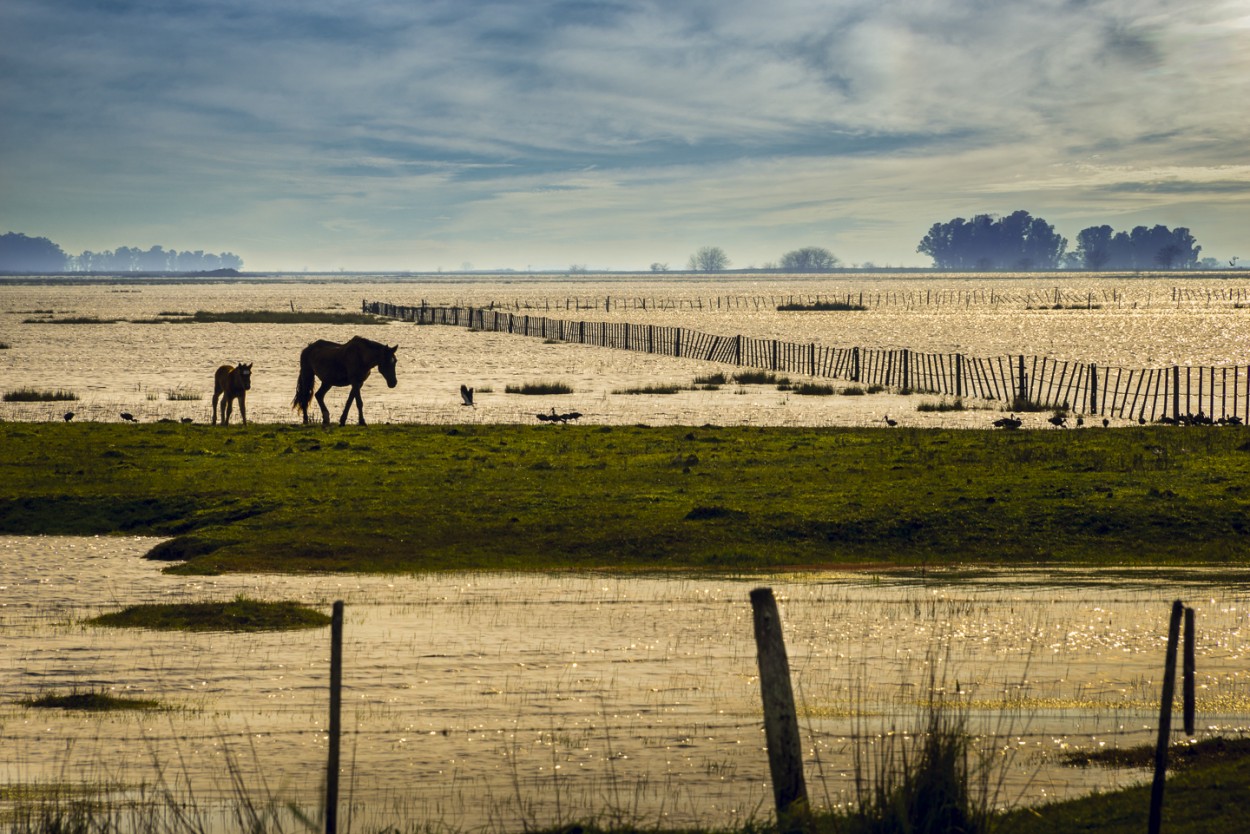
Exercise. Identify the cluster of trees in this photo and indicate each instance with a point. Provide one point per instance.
(1099, 247)
(20, 253)
(1022, 242)
(807, 259)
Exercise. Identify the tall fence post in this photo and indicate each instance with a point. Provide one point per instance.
(781, 722)
(1093, 388)
(1176, 392)
(1188, 667)
(1022, 382)
(959, 374)
(1165, 721)
(336, 702)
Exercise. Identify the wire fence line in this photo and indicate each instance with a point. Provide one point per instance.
(1185, 394)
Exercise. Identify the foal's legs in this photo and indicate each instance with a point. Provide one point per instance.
(216, 394)
(243, 406)
(227, 408)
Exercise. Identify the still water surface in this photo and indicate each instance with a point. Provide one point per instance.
(495, 699)
(131, 367)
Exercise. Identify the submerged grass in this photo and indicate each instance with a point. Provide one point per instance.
(93, 700)
(240, 614)
(538, 388)
(410, 498)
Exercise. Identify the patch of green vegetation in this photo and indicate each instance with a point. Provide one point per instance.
(92, 700)
(1208, 790)
(538, 388)
(240, 614)
(33, 395)
(822, 306)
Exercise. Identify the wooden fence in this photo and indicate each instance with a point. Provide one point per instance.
(1041, 298)
(1144, 394)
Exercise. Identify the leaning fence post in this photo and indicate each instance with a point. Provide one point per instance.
(781, 722)
(1165, 721)
(336, 701)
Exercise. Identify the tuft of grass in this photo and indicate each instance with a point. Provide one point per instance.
(812, 389)
(759, 378)
(875, 389)
(1024, 404)
(4, 345)
(92, 700)
(34, 395)
(853, 391)
(943, 404)
(183, 395)
(538, 388)
(240, 614)
(711, 379)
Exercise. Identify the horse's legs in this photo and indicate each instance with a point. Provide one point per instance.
(227, 408)
(347, 407)
(321, 401)
(243, 407)
(216, 394)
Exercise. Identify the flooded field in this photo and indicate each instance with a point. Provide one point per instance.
(497, 700)
(123, 366)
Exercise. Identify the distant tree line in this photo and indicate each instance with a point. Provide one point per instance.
(1022, 242)
(807, 259)
(20, 253)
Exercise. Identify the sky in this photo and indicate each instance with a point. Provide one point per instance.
(539, 134)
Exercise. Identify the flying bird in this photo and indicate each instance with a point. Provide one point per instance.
(466, 395)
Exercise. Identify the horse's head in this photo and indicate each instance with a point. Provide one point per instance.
(244, 370)
(386, 365)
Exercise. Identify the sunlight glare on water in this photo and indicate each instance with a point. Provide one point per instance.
(500, 699)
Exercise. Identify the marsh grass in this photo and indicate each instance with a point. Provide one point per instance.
(853, 391)
(812, 389)
(91, 700)
(538, 388)
(72, 320)
(240, 614)
(1026, 405)
(183, 395)
(34, 395)
(711, 379)
(943, 404)
(759, 378)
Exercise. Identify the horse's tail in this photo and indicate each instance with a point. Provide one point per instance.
(304, 385)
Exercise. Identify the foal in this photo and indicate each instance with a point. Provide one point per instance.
(233, 383)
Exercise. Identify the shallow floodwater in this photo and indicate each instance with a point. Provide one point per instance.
(498, 700)
(144, 369)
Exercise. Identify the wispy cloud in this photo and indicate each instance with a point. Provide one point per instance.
(614, 133)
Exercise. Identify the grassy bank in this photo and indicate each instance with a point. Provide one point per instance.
(404, 498)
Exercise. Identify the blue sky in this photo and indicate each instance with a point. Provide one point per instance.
(423, 134)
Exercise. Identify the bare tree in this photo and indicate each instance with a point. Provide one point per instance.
(709, 259)
(810, 259)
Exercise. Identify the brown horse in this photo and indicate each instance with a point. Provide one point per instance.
(336, 365)
(232, 383)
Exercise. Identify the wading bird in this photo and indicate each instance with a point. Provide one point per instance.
(466, 395)
(69, 415)
(128, 417)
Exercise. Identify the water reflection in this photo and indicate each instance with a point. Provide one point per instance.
(475, 699)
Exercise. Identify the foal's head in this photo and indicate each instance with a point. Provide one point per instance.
(244, 370)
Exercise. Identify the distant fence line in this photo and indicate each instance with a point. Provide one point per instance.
(1083, 387)
(1040, 299)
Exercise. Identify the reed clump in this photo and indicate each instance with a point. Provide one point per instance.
(240, 614)
(538, 388)
(35, 395)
